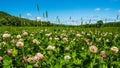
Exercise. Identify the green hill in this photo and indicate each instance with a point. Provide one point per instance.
(3, 14)
(9, 20)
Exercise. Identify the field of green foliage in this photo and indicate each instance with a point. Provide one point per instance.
(59, 47)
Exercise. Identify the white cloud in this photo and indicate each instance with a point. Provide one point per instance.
(29, 14)
(107, 9)
(97, 9)
(23, 17)
(39, 18)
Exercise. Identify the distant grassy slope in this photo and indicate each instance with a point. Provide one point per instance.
(9, 20)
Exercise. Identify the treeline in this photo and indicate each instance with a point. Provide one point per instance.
(9, 20)
(101, 24)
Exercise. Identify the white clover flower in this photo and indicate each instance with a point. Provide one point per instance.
(107, 40)
(38, 57)
(88, 34)
(91, 32)
(3, 43)
(56, 39)
(19, 44)
(105, 34)
(83, 33)
(45, 30)
(1, 58)
(116, 35)
(86, 40)
(32, 34)
(82, 48)
(25, 33)
(35, 41)
(25, 59)
(67, 48)
(9, 52)
(41, 56)
(93, 49)
(18, 36)
(21, 40)
(73, 33)
(29, 59)
(48, 35)
(64, 31)
(78, 35)
(98, 39)
(90, 43)
(50, 47)
(41, 31)
(50, 38)
(67, 57)
(63, 34)
(56, 32)
(36, 65)
(110, 33)
(6, 35)
(35, 58)
(114, 49)
(13, 41)
(102, 53)
(65, 39)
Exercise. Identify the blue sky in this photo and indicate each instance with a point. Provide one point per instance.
(87, 9)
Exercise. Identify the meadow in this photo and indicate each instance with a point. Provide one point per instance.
(59, 47)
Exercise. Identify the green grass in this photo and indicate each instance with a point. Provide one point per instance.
(12, 28)
(78, 53)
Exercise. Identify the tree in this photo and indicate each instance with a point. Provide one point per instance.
(99, 23)
(3, 21)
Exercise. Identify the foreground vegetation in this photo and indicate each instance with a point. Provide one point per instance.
(59, 47)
